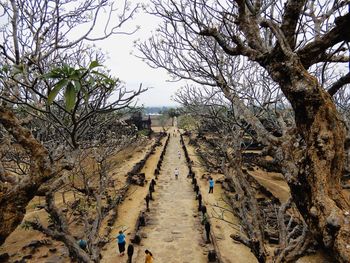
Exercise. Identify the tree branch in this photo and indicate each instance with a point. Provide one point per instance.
(339, 84)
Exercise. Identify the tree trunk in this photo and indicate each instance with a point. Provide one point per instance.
(13, 201)
(75, 252)
(316, 187)
(247, 205)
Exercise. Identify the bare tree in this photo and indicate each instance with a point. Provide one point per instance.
(97, 197)
(226, 130)
(37, 41)
(286, 39)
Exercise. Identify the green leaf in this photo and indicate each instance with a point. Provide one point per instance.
(94, 64)
(70, 96)
(75, 75)
(18, 69)
(77, 85)
(53, 93)
(53, 74)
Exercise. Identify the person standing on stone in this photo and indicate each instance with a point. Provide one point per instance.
(130, 252)
(121, 243)
(149, 256)
(176, 172)
(211, 185)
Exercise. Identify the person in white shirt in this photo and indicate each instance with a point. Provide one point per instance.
(176, 172)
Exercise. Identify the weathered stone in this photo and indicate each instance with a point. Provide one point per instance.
(53, 250)
(212, 256)
(4, 257)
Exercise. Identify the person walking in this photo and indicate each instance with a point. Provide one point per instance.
(179, 154)
(211, 185)
(130, 253)
(176, 173)
(121, 243)
(149, 256)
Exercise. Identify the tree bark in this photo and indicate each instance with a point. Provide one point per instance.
(316, 187)
(13, 201)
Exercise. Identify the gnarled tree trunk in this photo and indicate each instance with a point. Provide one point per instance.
(13, 201)
(316, 187)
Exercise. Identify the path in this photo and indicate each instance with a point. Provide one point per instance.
(173, 231)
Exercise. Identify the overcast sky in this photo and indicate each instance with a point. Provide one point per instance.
(132, 70)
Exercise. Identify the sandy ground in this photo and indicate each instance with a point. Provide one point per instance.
(274, 182)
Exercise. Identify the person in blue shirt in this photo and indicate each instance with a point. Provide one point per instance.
(121, 243)
(211, 185)
(82, 244)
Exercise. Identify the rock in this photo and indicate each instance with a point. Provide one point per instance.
(4, 257)
(212, 256)
(136, 239)
(53, 250)
(137, 179)
(27, 257)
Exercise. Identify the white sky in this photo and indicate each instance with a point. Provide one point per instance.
(133, 70)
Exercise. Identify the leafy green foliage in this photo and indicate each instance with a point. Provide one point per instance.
(71, 81)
